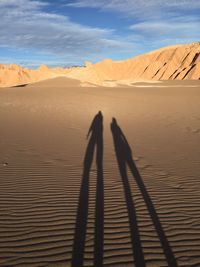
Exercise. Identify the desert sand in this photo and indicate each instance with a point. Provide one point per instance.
(148, 201)
(180, 62)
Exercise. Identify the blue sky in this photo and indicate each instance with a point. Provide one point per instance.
(70, 32)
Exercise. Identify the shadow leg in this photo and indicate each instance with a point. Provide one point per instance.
(154, 216)
(82, 213)
(99, 210)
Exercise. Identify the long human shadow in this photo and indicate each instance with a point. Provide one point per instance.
(124, 156)
(120, 151)
(96, 139)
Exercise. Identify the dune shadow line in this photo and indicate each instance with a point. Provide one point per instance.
(20, 85)
(124, 156)
(96, 140)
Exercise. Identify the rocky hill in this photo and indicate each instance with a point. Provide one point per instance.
(180, 62)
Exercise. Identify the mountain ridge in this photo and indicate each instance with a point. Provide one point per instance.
(177, 62)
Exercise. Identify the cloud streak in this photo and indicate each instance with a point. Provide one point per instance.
(152, 8)
(25, 25)
(33, 26)
(154, 23)
(176, 30)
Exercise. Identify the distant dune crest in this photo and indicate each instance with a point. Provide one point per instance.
(180, 62)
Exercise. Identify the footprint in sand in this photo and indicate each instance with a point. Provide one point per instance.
(196, 131)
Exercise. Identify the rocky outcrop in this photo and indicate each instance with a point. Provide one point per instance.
(12, 75)
(170, 63)
(180, 62)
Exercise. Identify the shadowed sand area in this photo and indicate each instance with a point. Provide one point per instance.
(133, 185)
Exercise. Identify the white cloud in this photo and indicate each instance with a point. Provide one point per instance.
(25, 24)
(179, 28)
(139, 8)
(155, 23)
(160, 33)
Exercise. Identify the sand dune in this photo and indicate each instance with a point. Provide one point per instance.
(181, 62)
(152, 205)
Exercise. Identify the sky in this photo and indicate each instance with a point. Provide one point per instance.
(70, 32)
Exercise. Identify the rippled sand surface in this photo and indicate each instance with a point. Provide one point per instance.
(43, 130)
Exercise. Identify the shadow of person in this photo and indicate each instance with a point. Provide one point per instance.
(122, 150)
(96, 139)
(124, 157)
